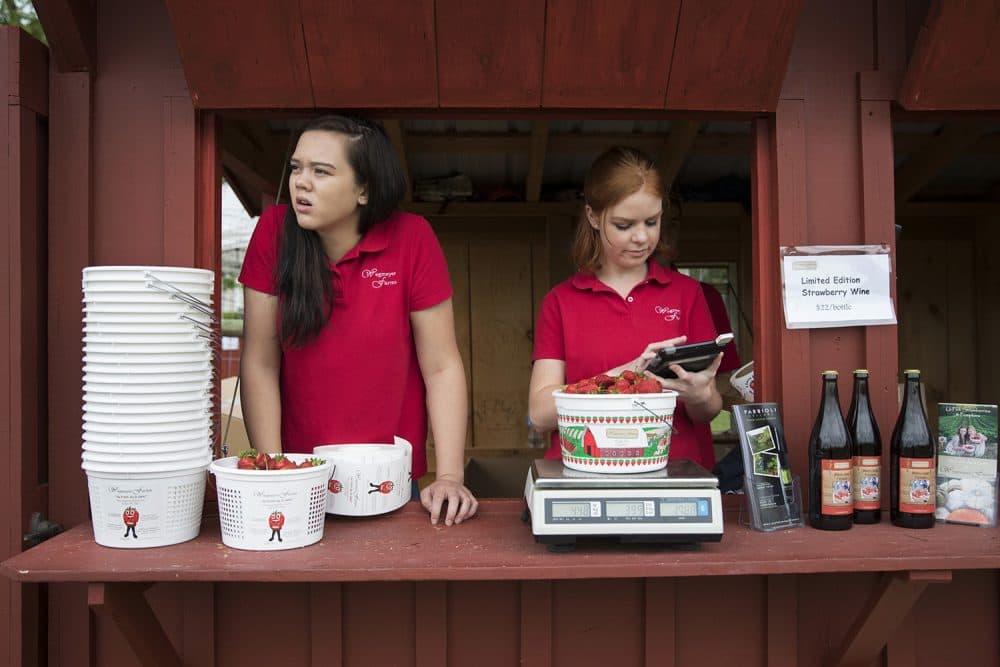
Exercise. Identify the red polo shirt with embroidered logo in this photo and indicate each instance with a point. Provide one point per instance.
(359, 381)
(592, 328)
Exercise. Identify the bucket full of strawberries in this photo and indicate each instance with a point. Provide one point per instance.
(270, 502)
(615, 424)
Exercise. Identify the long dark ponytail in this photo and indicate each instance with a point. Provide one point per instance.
(303, 272)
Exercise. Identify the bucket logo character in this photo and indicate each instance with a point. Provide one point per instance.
(130, 517)
(384, 488)
(276, 520)
(335, 486)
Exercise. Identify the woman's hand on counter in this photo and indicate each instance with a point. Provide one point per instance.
(462, 504)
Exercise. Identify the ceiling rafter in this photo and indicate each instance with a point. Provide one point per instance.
(394, 129)
(922, 166)
(675, 150)
(71, 29)
(536, 160)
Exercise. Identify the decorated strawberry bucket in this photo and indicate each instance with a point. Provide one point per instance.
(268, 510)
(615, 433)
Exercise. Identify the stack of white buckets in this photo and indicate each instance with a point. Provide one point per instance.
(148, 345)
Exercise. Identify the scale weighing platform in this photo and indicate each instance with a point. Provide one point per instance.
(680, 504)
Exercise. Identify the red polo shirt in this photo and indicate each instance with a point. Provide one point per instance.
(590, 327)
(359, 381)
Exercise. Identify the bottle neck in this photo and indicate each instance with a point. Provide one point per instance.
(913, 428)
(831, 397)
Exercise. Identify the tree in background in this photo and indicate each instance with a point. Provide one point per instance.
(21, 13)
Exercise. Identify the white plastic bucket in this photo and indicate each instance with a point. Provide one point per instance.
(141, 273)
(615, 433)
(742, 381)
(151, 467)
(142, 457)
(133, 510)
(146, 358)
(116, 419)
(268, 510)
(141, 438)
(368, 479)
(147, 427)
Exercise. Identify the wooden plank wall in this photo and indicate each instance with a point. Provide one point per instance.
(948, 311)
(23, 358)
(500, 271)
(662, 622)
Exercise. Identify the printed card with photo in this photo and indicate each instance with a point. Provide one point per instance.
(768, 481)
(967, 464)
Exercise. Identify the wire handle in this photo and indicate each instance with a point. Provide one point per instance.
(669, 421)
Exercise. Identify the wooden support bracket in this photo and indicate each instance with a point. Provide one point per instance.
(124, 605)
(889, 605)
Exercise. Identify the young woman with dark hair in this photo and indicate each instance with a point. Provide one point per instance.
(349, 330)
(621, 307)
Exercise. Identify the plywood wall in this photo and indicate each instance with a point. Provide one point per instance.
(501, 269)
(948, 308)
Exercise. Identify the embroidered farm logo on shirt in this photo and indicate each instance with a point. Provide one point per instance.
(669, 314)
(380, 279)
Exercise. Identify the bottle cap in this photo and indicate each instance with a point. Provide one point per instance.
(861, 371)
(912, 371)
(830, 373)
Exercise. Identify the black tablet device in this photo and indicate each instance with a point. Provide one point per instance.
(693, 357)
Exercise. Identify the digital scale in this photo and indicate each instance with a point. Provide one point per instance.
(680, 504)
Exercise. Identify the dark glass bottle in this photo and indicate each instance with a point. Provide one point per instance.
(912, 464)
(831, 506)
(866, 483)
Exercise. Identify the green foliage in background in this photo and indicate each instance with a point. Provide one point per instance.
(21, 13)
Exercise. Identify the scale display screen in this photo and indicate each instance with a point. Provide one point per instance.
(679, 509)
(629, 510)
(616, 509)
(566, 510)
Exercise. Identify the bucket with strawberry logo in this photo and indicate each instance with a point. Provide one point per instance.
(272, 503)
(368, 479)
(133, 507)
(615, 432)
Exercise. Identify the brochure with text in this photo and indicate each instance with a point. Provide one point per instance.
(771, 489)
(967, 464)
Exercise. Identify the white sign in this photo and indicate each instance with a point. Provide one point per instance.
(836, 290)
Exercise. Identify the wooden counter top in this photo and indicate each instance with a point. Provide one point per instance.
(496, 545)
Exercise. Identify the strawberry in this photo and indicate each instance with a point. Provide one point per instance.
(247, 460)
(622, 386)
(312, 462)
(648, 386)
(264, 461)
(603, 380)
(282, 462)
(628, 375)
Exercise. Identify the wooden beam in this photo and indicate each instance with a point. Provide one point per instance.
(124, 605)
(948, 209)
(71, 29)
(889, 605)
(536, 160)
(934, 156)
(255, 155)
(953, 63)
(569, 142)
(556, 208)
(394, 129)
(676, 149)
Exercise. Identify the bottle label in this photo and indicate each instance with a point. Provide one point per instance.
(866, 482)
(836, 487)
(916, 486)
